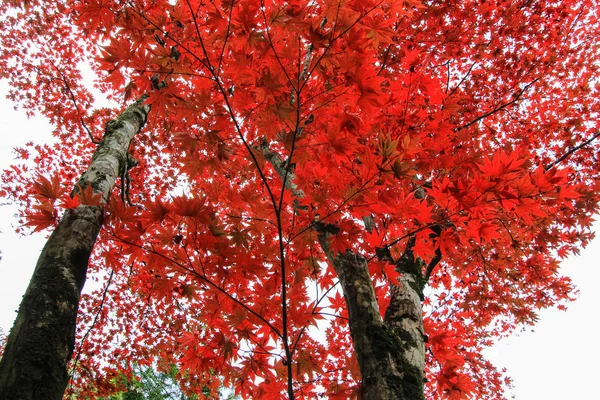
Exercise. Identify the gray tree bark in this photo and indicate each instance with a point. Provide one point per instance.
(41, 341)
(390, 351)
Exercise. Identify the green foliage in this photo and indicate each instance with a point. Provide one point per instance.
(147, 383)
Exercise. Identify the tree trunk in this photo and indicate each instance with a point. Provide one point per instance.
(390, 352)
(41, 342)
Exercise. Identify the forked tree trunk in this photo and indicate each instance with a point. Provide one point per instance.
(41, 341)
(390, 351)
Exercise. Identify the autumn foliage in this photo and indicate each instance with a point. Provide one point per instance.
(461, 129)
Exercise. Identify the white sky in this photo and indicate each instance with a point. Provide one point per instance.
(559, 359)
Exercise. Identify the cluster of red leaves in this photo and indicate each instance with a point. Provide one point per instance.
(49, 197)
(421, 115)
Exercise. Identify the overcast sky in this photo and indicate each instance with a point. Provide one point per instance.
(559, 359)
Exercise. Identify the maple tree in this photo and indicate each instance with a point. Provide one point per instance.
(41, 342)
(404, 176)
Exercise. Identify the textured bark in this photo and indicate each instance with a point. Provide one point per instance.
(41, 342)
(283, 170)
(404, 316)
(389, 364)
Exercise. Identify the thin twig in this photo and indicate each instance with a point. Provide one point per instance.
(203, 278)
(72, 97)
(501, 107)
(571, 151)
(78, 354)
(462, 80)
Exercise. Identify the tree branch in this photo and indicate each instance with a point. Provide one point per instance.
(516, 98)
(282, 168)
(72, 97)
(82, 342)
(571, 151)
